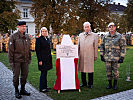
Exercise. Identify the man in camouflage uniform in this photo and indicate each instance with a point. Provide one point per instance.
(1, 41)
(131, 39)
(54, 41)
(76, 40)
(6, 40)
(99, 40)
(72, 38)
(112, 51)
(33, 41)
(60, 38)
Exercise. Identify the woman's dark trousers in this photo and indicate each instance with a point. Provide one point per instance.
(43, 80)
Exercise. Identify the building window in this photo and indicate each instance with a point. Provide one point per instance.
(25, 12)
(36, 31)
(35, 15)
(11, 31)
(26, 29)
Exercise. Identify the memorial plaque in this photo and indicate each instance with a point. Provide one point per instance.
(67, 51)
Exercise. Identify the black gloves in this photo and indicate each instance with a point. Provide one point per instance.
(121, 60)
(102, 58)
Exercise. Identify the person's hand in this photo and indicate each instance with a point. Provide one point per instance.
(102, 58)
(121, 60)
(40, 63)
(95, 58)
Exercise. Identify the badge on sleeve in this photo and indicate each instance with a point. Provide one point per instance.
(10, 43)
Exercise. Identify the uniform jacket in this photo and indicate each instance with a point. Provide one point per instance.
(88, 49)
(43, 53)
(19, 48)
(113, 47)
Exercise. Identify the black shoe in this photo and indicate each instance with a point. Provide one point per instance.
(44, 90)
(109, 85)
(24, 92)
(90, 86)
(83, 85)
(48, 88)
(17, 95)
(115, 87)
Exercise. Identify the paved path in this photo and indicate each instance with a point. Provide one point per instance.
(7, 89)
(125, 95)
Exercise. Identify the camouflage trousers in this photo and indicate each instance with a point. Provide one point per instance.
(0, 47)
(112, 70)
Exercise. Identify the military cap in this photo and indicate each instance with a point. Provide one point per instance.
(21, 23)
(111, 24)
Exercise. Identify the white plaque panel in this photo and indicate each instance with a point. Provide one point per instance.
(67, 51)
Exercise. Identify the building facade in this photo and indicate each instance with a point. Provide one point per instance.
(117, 8)
(24, 6)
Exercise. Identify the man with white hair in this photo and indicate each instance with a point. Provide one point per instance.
(88, 48)
(112, 51)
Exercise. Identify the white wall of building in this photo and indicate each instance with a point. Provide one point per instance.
(26, 7)
(31, 28)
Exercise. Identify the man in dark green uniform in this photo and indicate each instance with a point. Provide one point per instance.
(112, 51)
(19, 58)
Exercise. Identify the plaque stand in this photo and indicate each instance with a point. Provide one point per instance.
(59, 91)
(66, 62)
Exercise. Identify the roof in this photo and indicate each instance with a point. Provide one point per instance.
(114, 7)
(26, 0)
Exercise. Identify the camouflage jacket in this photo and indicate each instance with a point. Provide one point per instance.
(113, 47)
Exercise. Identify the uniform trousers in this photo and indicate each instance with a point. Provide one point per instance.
(17, 68)
(112, 70)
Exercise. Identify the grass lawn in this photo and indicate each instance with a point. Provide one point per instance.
(100, 79)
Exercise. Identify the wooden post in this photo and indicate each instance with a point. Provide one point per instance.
(58, 91)
(79, 90)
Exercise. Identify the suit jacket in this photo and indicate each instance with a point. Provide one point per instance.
(43, 53)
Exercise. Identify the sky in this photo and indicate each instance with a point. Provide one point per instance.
(122, 2)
